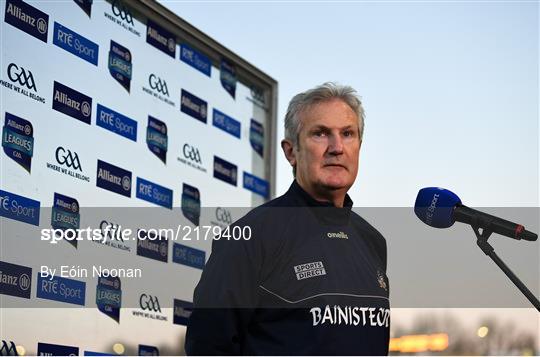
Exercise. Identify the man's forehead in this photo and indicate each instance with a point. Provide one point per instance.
(334, 114)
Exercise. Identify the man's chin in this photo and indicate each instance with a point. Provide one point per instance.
(336, 183)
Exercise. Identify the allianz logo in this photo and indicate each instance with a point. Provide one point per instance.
(106, 175)
(64, 98)
(201, 109)
(25, 128)
(341, 235)
(231, 173)
(39, 24)
(160, 248)
(22, 281)
(121, 11)
(169, 42)
(158, 84)
(74, 207)
(19, 75)
(68, 158)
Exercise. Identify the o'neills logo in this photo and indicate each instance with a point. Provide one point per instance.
(113, 178)
(160, 38)
(27, 18)
(18, 140)
(70, 102)
(341, 235)
(350, 315)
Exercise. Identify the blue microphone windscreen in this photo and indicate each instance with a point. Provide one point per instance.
(435, 206)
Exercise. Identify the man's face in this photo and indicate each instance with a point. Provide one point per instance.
(326, 157)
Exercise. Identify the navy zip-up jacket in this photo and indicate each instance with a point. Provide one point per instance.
(310, 281)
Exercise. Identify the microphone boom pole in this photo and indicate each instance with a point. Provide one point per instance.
(482, 242)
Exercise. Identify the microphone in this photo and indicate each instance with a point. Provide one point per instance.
(440, 208)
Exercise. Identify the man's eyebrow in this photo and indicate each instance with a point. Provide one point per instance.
(319, 127)
(324, 127)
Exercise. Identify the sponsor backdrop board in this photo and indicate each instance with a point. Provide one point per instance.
(115, 115)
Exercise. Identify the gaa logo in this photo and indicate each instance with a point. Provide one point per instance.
(68, 158)
(192, 153)
(21, 76)
(158, 84)
(149, 302)
(223, 215)
(257, 94)
(126, 183)
(42, 25)
(85, 109)
(24, 282)
(8, 348)
(122, 12)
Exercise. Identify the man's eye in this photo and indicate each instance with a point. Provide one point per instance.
(319, 134)
(348, 133)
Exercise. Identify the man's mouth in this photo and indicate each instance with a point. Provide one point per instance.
(335, 165)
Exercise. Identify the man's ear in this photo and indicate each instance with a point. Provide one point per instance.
(288, 150)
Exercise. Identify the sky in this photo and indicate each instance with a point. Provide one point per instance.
(450, 89)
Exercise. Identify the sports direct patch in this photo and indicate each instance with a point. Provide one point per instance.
(309, 270)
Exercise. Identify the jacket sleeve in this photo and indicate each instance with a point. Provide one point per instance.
(224, 299)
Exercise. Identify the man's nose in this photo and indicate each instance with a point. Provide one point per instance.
(335, 145)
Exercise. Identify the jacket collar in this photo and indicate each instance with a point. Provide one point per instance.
(325, 211)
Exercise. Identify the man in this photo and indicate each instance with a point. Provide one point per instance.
(312, 278)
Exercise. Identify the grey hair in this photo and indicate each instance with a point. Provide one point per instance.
(322, 93)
